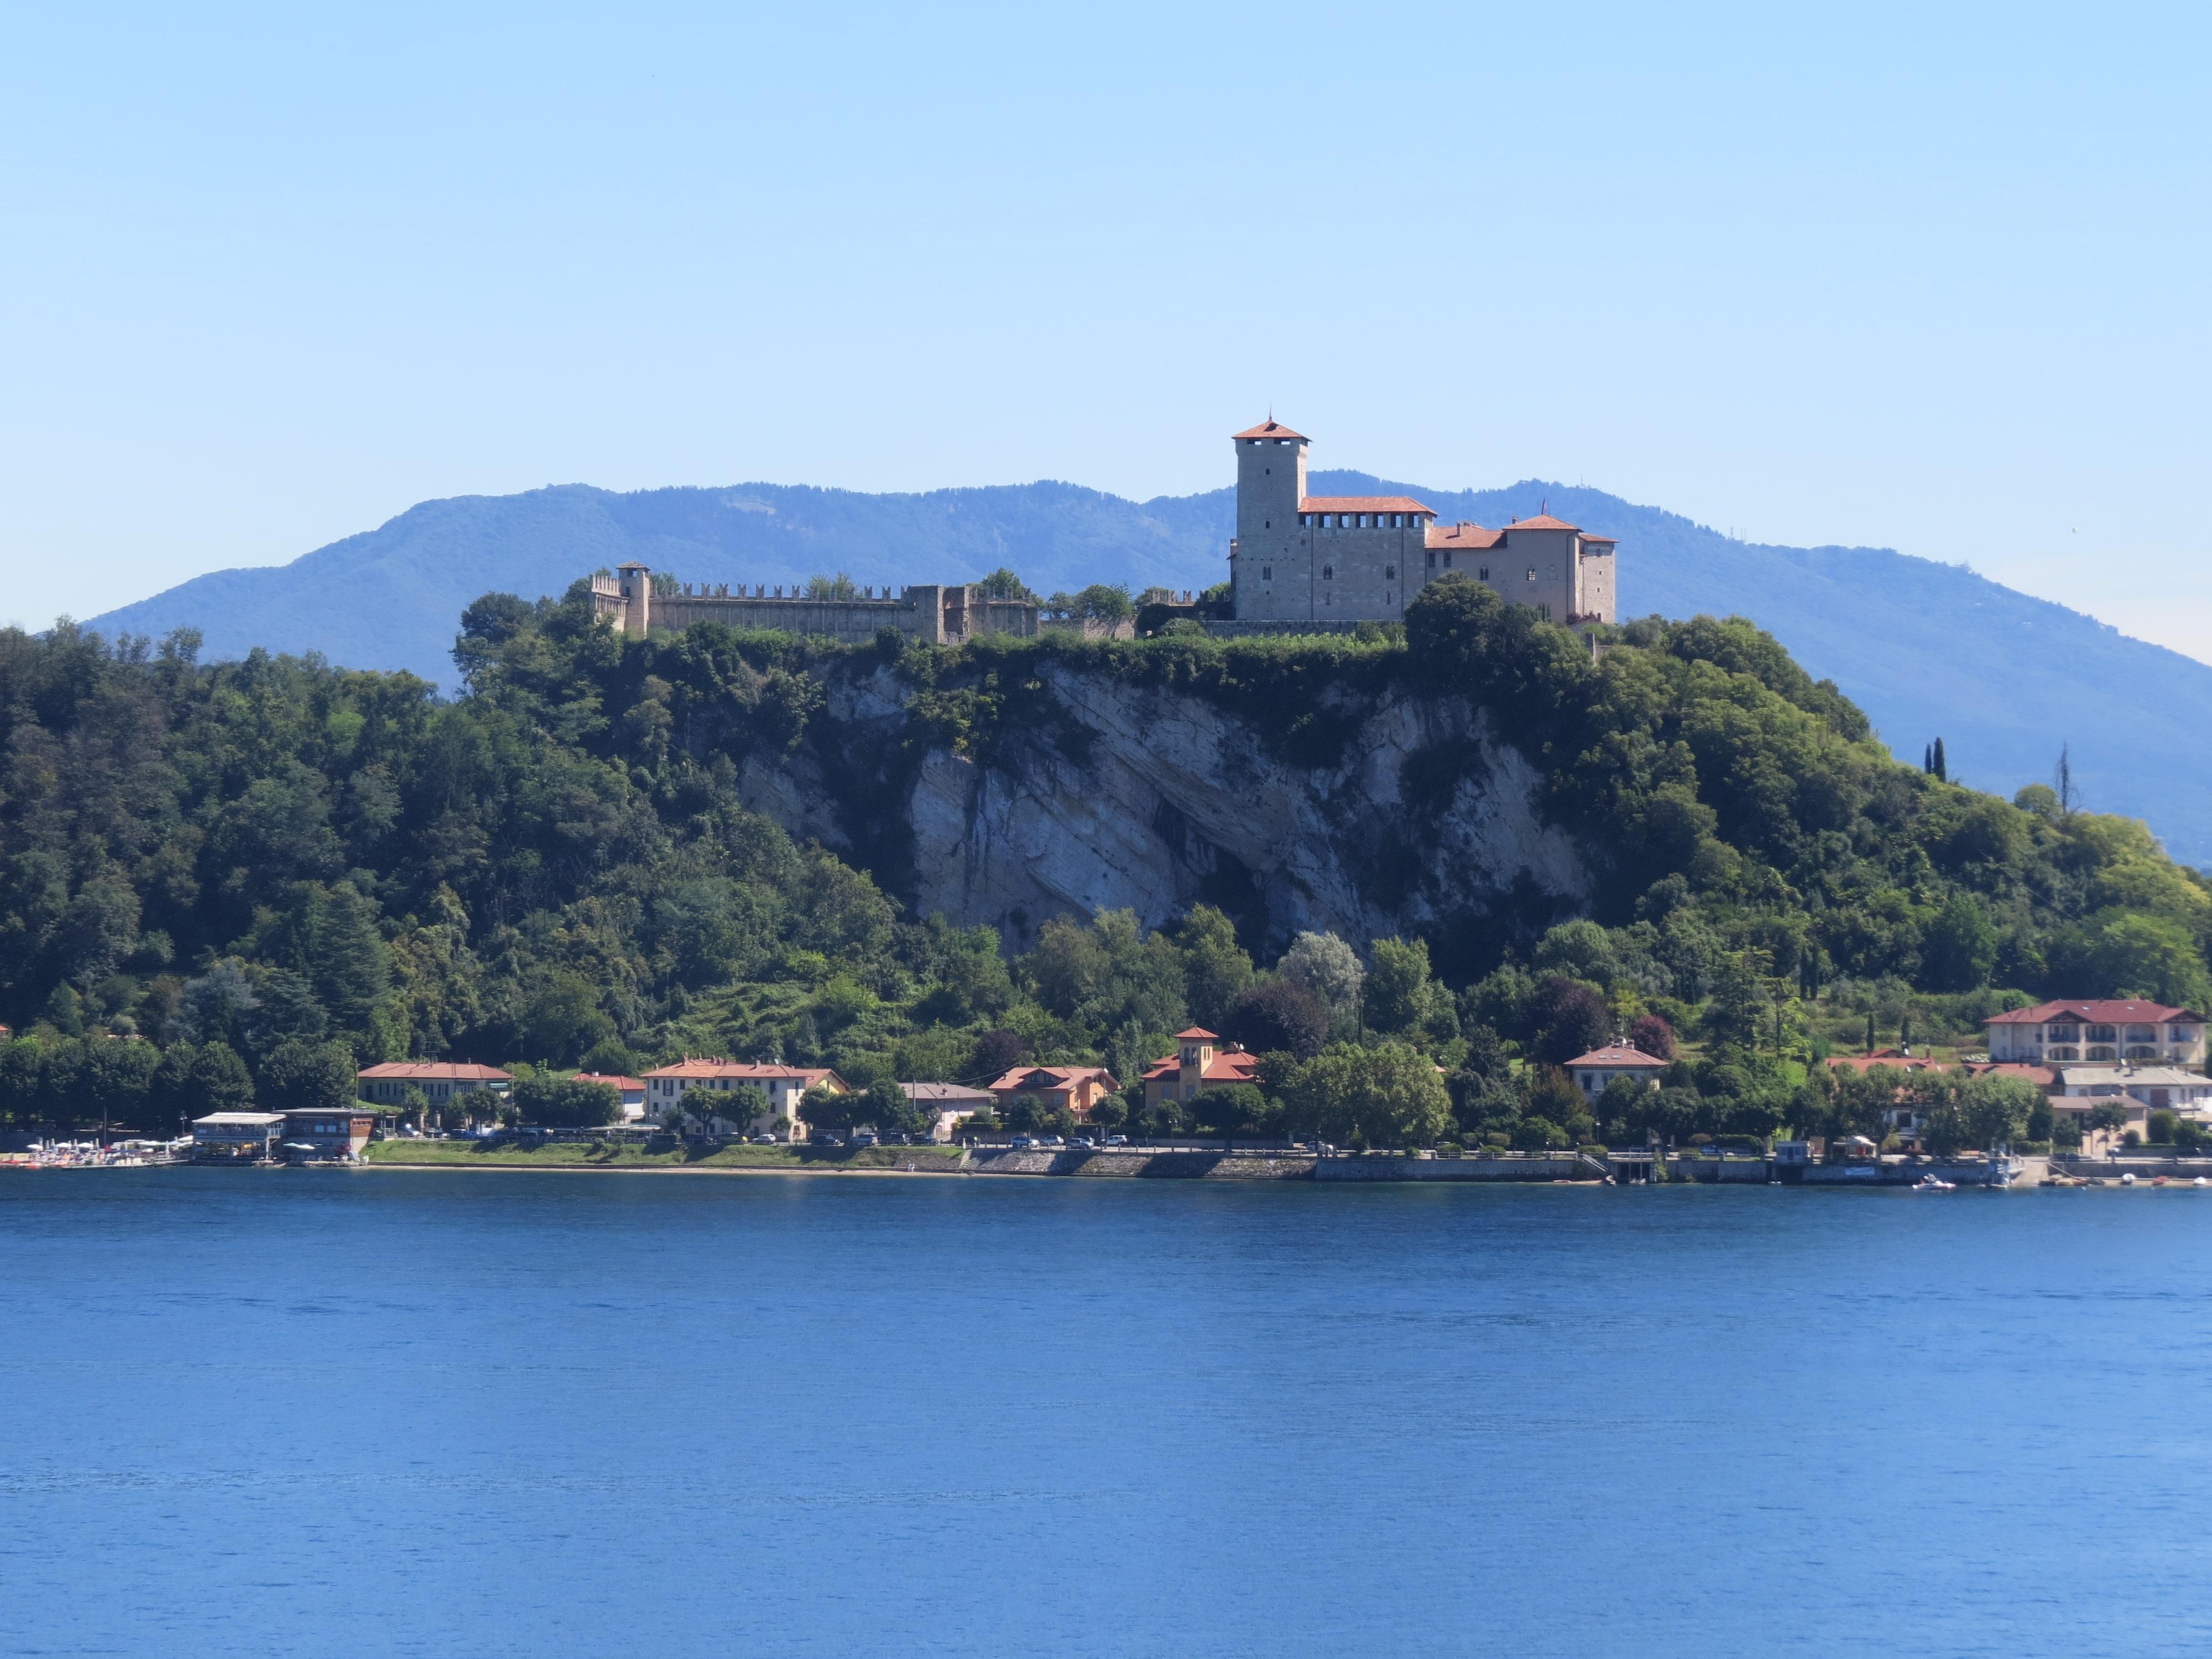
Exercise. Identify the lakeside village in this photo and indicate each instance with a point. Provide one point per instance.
(2067, 1093)
(1577, 1068)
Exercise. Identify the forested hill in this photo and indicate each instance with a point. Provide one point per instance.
(272, 870)
(1928, 650)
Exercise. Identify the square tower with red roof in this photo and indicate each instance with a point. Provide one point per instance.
(1304, 558)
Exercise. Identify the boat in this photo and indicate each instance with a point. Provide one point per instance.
(1930, 1183)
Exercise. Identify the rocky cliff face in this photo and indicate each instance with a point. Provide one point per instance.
(1148, 799)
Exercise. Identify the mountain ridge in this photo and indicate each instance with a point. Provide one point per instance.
(1927, 649)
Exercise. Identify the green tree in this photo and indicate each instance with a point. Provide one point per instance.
(218, 1081)
(1960, 948)
(1997, 1108)
(1400, 995)
(310, 1074)
(1216, 969)
(118, 1077)
(1278, 1014)
(1003, 584)
(2119, 952)
(1389, 1093)
(563, 1019)
(1326, 968)
(566, 1102)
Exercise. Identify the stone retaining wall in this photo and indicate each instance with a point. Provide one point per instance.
(1185, 1166)
(1452, 1169)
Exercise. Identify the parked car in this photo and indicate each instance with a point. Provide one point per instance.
(827, 1140)
(1050, 1140)
(764, 1140)
(1022, 1141)
(864, 1138)
(1116, 1140)
(1080, 1143)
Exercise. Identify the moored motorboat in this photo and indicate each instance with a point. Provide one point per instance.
(1930, 1183)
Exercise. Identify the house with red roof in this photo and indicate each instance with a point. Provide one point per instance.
(698, 1088)
(1592, 1072)
(1074, 1088)
(1201, 1061)
(1299, 558)
(631, 1089)
(2109, 1028)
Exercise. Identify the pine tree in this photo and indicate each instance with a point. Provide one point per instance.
(1942, 772)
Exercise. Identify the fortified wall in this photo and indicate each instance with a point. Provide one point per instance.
(935, 615)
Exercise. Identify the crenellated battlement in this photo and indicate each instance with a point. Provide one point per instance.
(934, 614)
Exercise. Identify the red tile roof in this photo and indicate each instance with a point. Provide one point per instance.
(1361, 504)
(437, 1071)
(1046, 1079)
(1616, 1053)
(1901, 1062)
(632, 1084)
(2107, 1013)
(1606, 540)
(1271, 429)
(1542, 521)
(1196, 1034)
(1235, 1066)
(1470, 536)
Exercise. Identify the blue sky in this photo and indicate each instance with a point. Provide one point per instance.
(1933, 277)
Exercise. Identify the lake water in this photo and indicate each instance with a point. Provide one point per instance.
(419, 1412)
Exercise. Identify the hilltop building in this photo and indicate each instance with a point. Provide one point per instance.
(934, 615)
(1302, 558)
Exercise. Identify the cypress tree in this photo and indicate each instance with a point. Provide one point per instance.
(1942, 772)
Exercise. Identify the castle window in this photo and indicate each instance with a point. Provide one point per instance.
(1481, 575)
(1328, 573)
(1397, 522)
(1266, 524)
(1544, 612)
(1432, 562)
(1390, 573)
(1532, 573)
(1447, 558)
(1267, 573)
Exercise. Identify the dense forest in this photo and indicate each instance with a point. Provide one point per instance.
(236, 881)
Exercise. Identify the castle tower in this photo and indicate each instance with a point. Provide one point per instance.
(637, 598)
(1268, 574)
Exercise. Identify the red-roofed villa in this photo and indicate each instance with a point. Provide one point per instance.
(2109, 1028)
(1201, 1061)
(1593, 1070)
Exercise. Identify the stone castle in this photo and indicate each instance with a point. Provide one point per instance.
(1297, 562)
(1324, 559)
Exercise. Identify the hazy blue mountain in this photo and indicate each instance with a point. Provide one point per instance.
(1927, 649)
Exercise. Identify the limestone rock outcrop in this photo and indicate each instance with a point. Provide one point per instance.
(1153, 799)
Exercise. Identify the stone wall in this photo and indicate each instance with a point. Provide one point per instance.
(1453, 1169)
